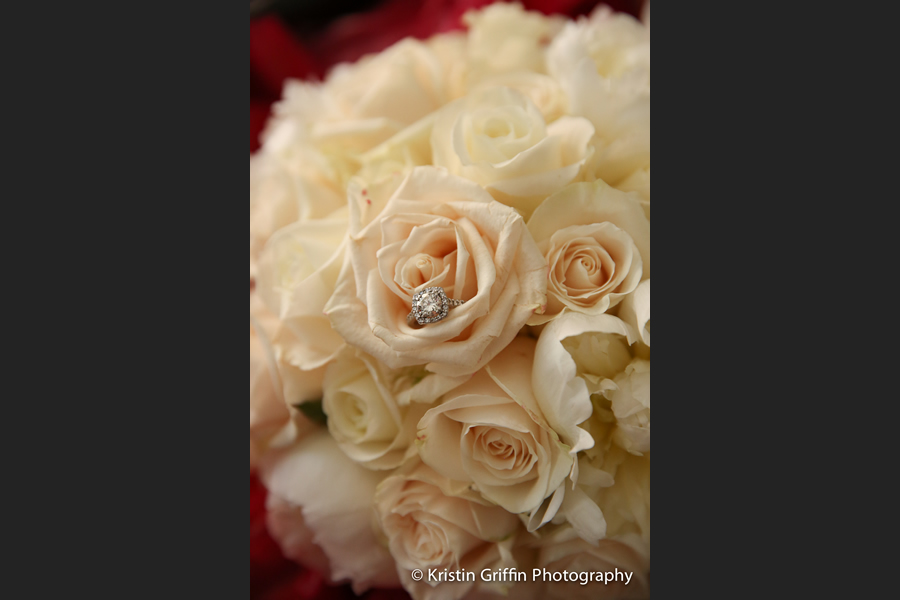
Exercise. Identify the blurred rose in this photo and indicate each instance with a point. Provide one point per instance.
(276, 385)
(542, 90)
(297, 272)
(504, 38)
(432, 522)
(603, 66)
(283, 191)
(361, 104)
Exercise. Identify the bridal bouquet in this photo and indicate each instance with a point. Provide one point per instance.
(450, 312)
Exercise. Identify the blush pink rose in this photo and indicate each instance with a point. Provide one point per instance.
(438, 230)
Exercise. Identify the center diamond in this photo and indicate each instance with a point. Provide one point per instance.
(430, 305)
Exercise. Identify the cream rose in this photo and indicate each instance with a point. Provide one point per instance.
(362, 104)
(490, 431)
(432, 522)
(603, 66)
(282, 193)
(384, 168)
(335, 495)
(438, 230)
(504, 37)
(268, 411)
(373, 411)
(498, 138)
(544, 91)
(297, 273)
(275, 386)
(597, 242)
(450, 50)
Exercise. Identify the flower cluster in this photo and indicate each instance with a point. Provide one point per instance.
(507, 168)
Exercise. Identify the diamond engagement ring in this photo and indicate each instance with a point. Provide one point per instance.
(430, 306)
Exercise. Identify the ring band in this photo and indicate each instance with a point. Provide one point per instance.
(430, 306)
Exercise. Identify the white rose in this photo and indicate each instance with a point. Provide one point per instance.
(603, 65)
(505, 37)
(432, 522)
(362, 104)
(268, 411)
(543, 90)
(438, 231)
(373, 411)
(281, 194)
(297, 273)
(275, 386)
(597, 243)
(336, 497)
(490, 431)
(450, 50)
(498, 138)
(384, 168)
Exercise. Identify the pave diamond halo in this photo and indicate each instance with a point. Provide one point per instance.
(430, 306)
